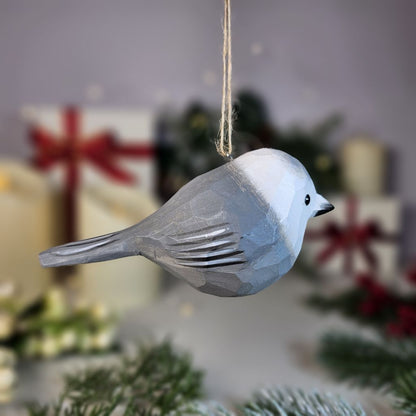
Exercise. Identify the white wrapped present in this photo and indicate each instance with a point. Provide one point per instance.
(104, 143)
(360, 235)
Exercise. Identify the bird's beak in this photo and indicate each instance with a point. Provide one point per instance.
(322, 206)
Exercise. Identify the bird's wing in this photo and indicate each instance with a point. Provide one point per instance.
(203, 224)
(212, 246)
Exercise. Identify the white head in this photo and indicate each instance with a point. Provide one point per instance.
(284, 184)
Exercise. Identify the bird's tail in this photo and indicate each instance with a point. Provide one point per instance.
(106, 247)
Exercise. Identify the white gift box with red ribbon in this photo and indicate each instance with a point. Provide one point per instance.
(114, 143)
(360, 236)
(93, 154)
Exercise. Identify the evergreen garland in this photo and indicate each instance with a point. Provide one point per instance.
(365, 362)
(383, 364)
(161, 381)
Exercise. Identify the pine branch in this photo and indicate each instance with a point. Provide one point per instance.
(284, 402)
(156, 381)
(404, 390)
(367, 363)
(292, 402)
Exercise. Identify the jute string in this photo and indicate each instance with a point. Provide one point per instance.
(224, 141)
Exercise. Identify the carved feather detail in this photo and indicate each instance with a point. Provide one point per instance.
(212, 246)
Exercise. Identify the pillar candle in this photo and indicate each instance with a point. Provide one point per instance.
(363, 162)
(25, 229)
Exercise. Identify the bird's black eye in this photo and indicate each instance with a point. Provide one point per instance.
(307, 199)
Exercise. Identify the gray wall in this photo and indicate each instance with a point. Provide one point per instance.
(317, 56)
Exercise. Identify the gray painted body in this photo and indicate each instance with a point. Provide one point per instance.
(216, 233)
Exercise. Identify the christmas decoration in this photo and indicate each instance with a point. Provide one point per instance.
(74, 136)
(230, 232)
(103, 209)
(361, 236)
(159, 380)
(25, 211)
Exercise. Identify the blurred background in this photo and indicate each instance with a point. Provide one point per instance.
(107, 108)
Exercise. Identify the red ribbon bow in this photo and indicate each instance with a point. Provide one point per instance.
(101, 150)
(349, 238)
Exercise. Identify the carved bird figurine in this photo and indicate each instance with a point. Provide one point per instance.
(229, 232)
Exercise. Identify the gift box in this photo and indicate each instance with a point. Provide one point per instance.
(80, 147)
(26, 229)
(360, 235)
(124, 283)
(111, 143)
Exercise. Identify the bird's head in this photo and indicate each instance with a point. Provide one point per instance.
(285, 185)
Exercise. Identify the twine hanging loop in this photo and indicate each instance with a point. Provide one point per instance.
(224, 141)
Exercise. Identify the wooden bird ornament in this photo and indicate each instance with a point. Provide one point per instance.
(229, 232)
